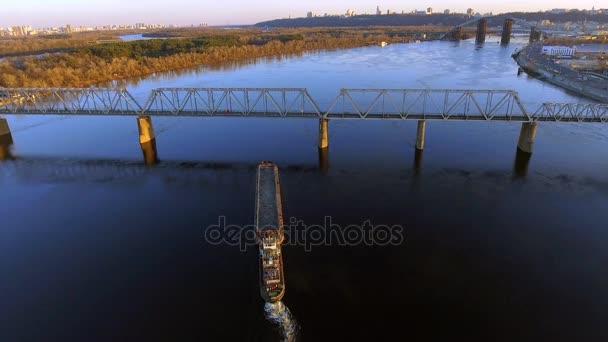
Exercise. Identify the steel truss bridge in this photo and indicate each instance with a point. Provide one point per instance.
(388, 104)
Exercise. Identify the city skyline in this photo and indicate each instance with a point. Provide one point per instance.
(40, 13)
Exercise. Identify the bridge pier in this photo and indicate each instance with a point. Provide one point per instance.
(507, 30)
(455, 35)
(146, 130)
(522, 162)
(418, 156)
(420, 135)
(6, 140)
(535, 35)
(527, 137)
(324, 160)
(4, 129)
(150, 153)
(482, 30)
(323, 133)
(147, 140)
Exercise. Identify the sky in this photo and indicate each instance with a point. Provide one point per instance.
(53, 13)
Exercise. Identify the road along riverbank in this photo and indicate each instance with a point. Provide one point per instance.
(534, 63)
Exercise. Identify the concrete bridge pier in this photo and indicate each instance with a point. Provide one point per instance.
(418, 156)
(482, 30)
(4, 129)
(323, 133)
(6, 140)
(507, 30)
(455, 35)
(420, 135)
(522, 162)
(535, 35)
(527, 137)
(324, 160)
(147, 140)
(150, 153)
(419, 150)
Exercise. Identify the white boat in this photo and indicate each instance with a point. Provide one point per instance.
(383, 44)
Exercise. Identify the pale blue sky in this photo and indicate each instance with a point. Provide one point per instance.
(40, 13)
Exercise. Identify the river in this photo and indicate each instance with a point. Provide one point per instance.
(96, 246)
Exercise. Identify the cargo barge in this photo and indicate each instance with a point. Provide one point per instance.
(269, 226)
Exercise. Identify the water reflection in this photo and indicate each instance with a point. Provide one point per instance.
(278, 314)
(175, 172)
(201, 70)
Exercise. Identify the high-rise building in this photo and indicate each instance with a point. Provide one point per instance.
(310, 14)
(350, 13)
(68, 28)
(378, 11)
(429, 10)
(18, 31)
(446, 11)
(470, 12)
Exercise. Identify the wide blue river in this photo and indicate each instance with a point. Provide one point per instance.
(96, 246)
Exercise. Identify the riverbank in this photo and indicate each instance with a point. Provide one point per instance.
(107, 62)
(532, 62)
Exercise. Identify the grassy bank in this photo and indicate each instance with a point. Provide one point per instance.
(87, 65)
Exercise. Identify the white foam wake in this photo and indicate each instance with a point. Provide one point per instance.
(279, 314)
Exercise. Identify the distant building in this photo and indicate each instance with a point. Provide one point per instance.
(446, 11)
(546, 23)
(558, 11)
(420, 12)
(429, 10)
(350, 13)
(378, 12)
(470, 12)
(140, 26)
(18, 31)
(310, 14)
(68, 28)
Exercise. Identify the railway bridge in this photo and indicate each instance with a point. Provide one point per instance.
(456, 33)
(422, 105)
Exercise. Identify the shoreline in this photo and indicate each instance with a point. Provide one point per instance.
(568, 81)
(148, 66)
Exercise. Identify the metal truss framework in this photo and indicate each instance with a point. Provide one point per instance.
(572, 112)
(88, 101)
(428, 104)
(284, 102)
(395, 104)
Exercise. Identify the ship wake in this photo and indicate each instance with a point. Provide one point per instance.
(278, 314)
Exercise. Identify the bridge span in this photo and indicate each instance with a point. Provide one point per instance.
(361, 104)
(456, 33)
